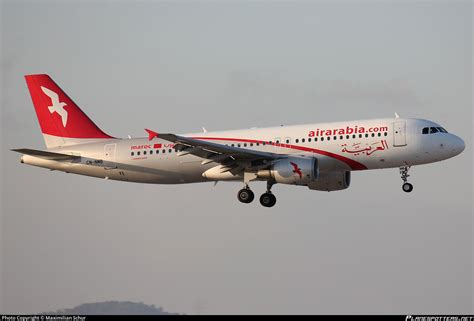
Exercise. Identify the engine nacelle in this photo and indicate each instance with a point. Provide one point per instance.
(331, 181)
(292, 170)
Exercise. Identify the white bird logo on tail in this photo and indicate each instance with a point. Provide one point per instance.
(56, 106)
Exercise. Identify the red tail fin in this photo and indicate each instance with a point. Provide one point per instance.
(58, 115)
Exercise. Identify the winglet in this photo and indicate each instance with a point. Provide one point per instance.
(396, 115)
(151, 134)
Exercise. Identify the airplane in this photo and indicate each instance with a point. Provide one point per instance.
(319, 156)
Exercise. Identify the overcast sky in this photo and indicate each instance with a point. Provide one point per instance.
(175, 67)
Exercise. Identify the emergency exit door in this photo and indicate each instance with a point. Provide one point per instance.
(109, 151)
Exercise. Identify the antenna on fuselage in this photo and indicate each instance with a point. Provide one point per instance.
(396, 115)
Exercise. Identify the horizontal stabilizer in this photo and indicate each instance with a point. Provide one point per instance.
(46, 155)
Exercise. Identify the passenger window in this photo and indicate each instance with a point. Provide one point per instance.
(245, 144)
(322, 139)
(233, 145)
(263, 143)
(385, 134)
(353, 136)
(238, 145)
(163, 151)
(335, 137)
(341, 137)
(373, 135)
(144, 152)
(347, 136)
(138, 153)
(258, 144)
(329, 138)
(297, 140)
(302, 140)
(170, 150)
(360, 135)
(366, 135)
(309, 140)
(425, 131)
(133, 153)
(157, 151)
(316, 139)
(379, 134)
(151, 152)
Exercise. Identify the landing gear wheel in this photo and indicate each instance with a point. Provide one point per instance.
(407, 187)
(245, 195)
(268, 199)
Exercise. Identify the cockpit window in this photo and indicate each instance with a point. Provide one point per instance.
(432, 130)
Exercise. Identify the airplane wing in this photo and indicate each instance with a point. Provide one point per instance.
(219, 153)
(46, 155)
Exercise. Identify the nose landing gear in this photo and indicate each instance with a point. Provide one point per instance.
(406, 187)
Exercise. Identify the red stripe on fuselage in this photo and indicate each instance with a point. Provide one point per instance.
(352, 163)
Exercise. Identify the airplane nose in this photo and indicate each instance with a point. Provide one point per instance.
(458, 145)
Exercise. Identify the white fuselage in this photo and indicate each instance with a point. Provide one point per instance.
(338, 146)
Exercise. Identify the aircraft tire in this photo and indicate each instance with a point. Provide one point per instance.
(245, 195)
(407, 187)
(267, 199)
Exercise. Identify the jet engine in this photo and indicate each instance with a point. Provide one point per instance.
(292, 170)
(331, 181)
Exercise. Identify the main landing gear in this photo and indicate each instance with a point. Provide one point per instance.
(246, 195)
(267, 199)
(406, 187)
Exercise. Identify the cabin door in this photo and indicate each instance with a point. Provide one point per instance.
(399, 134)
